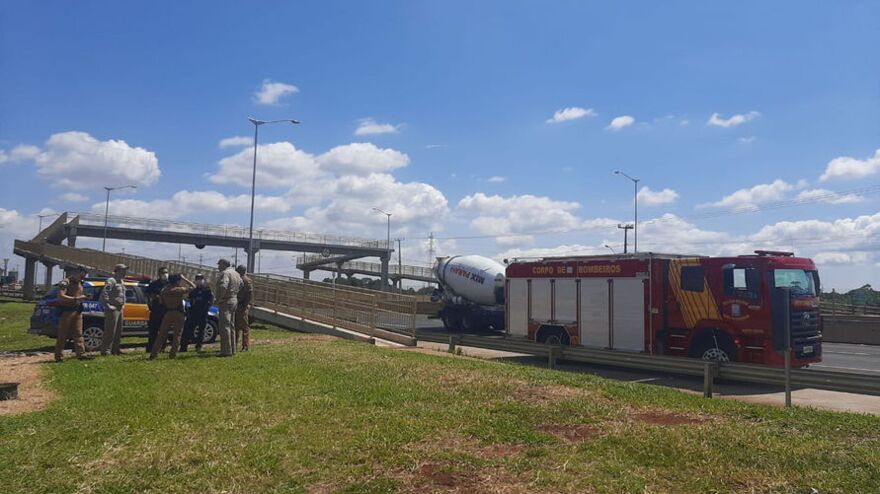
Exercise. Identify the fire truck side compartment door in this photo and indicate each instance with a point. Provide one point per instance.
(629, 314)
(566, 300)
(594, 312)
(541, 304)
(518, 307)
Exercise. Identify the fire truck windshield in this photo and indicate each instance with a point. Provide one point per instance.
(799, 280)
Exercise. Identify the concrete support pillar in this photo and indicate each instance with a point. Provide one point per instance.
(306, 273)
(30, 273)
(47, 280)
(71, 236)
(252, 259)
(384, 272)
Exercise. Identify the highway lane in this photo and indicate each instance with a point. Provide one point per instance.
(849, 357)
(843, 356)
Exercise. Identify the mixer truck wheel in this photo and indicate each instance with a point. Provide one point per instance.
(451, 321)
(471, 322)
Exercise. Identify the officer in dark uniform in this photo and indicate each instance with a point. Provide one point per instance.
(157, 308)
(200, 300)
(70, 321)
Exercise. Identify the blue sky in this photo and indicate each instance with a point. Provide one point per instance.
(105, 93)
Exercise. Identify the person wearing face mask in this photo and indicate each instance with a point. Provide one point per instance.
(157, 308)
(200, 300)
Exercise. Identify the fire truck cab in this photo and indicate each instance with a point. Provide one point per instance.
(721, 308)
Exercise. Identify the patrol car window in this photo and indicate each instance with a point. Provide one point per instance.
(92, 293)
(692, 278)
(130, 296)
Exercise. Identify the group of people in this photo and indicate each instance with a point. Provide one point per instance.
(169, 313)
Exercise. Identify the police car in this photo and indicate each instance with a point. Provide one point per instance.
(135, 316)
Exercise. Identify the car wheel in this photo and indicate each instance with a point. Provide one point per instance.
(92, 334)
(210, 333)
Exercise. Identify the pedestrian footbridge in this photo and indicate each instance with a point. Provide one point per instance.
(350, 268)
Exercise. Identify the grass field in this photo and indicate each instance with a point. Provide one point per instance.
(306, 414)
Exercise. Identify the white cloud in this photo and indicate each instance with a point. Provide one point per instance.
(186, 202)
(717, 120)
(855, 236)
(74, 197)
(621, 122)
(847, 168)
(840, 258)
(511, 219)
(435, 146)
(414, 206)
(368, 126)
(497, 179)
(14, 225)
(746, 140)
(571, 113)
(759, 194)
(3, 156)
(831, 197)
(77, 160)
(236, 141)
(279, 164)
(654, 198)
(361, 158)
(271, 92)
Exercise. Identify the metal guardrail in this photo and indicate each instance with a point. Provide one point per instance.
(233, 231)
(11, 293)
(830, 308)
(813, 378)
(352, 308)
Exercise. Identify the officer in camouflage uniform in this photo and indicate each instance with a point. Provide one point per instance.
(243, 309)
(70, 322)
(113, 298)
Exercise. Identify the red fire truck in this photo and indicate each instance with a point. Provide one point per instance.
(722, 308)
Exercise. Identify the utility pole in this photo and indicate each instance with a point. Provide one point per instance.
(5, 267)
(626, 229)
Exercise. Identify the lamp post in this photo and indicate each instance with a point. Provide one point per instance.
(609, 248)
(388, 238)
(635, 182)
(257, 123)
(107, 210)
(387, 247)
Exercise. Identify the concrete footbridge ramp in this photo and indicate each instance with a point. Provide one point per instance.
(70, 225)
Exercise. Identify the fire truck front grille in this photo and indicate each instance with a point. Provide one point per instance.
(805, 333)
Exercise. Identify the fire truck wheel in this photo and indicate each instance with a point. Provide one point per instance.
(724, 352)
(553, 336)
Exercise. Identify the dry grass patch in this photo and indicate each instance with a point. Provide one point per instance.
(573, 433)
(545, 394)
(448, 477)
(664, 417)
(28, 372)
(471, 446)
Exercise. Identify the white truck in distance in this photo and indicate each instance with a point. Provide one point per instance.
(472, 291)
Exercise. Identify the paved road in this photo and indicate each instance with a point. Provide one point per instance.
(845, 356)
(853, 358)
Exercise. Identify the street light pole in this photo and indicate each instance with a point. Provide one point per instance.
(257, 123)
(635, 182)
(107, 210)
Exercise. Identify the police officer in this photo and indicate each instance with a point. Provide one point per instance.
(172, 296)
(228, 285)
(200, 300)
(70, 297)
(113, 298)
(157, 309)
(243, 309)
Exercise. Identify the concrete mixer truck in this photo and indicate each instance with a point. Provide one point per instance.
(472, 291)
